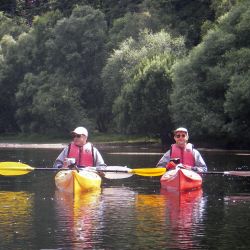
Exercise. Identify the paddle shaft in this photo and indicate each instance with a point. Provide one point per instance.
(233, 173)
(139, 171)
(18, 168)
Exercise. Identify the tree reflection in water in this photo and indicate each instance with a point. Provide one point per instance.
(16, 210)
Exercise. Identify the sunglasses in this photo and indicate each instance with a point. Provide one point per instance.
(180, 135)
(76, 136)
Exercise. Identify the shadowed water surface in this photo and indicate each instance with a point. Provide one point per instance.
(132, 213)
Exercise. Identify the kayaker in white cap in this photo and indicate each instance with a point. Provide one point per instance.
(79, 151)
(189, 157)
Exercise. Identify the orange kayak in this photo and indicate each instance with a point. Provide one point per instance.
(72, 181)
(181, 180)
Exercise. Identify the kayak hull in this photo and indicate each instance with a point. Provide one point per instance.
(181, 180)
(72, 181)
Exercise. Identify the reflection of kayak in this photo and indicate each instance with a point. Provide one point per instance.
(183, 206)
(182, 199)
(181, 180)
(75, 182)
(83, 201)
(77, 219)
(184, 211)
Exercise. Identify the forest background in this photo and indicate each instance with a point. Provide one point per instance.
(131, 67)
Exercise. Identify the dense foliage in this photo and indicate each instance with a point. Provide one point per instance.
(134, 67)
(212, 85)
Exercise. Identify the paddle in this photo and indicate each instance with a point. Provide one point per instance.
(116, 172)
(111, 172)
(233, 173)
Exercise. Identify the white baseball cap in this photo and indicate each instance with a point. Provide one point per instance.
(181, 129)
(80, 131)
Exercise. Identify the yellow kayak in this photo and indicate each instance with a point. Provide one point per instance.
(76, 182)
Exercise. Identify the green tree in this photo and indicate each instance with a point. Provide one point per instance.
(222, 7)
(48, 108)
(142, 106)
(78, 54)
(115, 9)
(130, 25)
(13, 27)
(199, 87)
(64, 6)
(205, 82)
(11, 70)
(67, 54)
(237, 107)
(237, 96)
(121, 75)
(111, 9)
(19, 57)
(183, 18)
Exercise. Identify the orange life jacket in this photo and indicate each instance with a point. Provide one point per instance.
(84, 155)
(185, 154)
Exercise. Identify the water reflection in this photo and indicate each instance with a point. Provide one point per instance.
(172, 217)
(89, 220)
(76, 216)
(118, 221)
(151, 228)
(236, 199)
(16, 217)
(134, 220)
(132, 213)
(185, 214)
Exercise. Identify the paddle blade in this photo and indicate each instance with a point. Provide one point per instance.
(149, 171)
(14, 168)
(117, 172)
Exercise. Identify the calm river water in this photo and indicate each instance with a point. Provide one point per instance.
(132, 213)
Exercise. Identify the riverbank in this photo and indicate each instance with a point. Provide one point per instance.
(62, 145)
(56, 146)
(98, 139)
(33, 145)
(105, 141)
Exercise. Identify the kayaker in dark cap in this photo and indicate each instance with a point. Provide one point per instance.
(183, 152)
(79, 151)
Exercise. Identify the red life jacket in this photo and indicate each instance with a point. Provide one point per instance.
(185, 154)
(84, 155)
